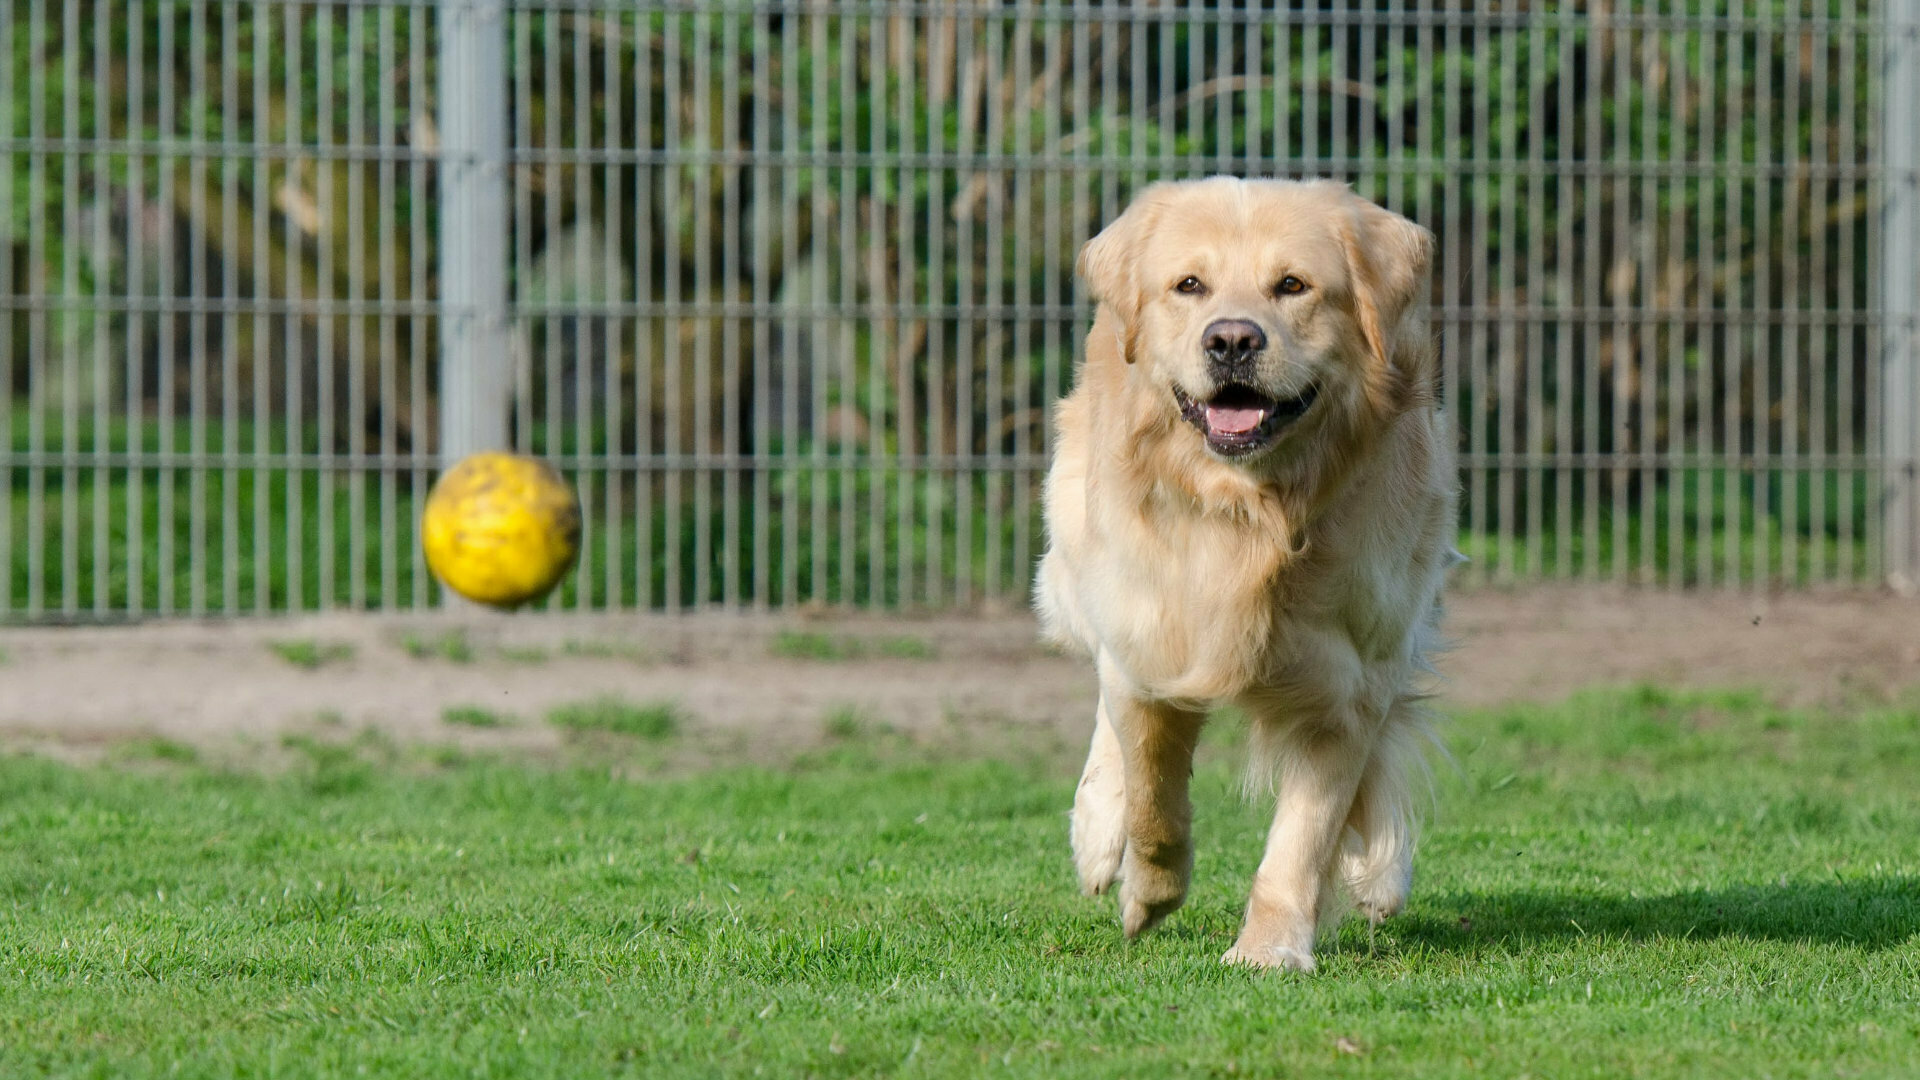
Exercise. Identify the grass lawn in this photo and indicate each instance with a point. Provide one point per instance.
(1633, 884)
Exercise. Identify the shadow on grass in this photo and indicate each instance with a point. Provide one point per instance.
(1871, 914)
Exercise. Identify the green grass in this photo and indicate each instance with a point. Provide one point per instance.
(309, 654)
(524, 654)
(845, 722)
(601, 649)
(1636, 884)
(812, 645)
(451, 646)
(475, 716)
(651, 720)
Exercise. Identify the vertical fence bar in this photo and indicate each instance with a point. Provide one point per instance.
(1759, 451)
(645, 357)
(358, 293)
(1900, 299)
(388, 238)
(38, 261)
(475, 375)
(1564, 398)
(820, 31)
(1710, 506)
(1733, 160)
(1792, 330)
(257, 183)
(10, 317)
(1503, 337)
(760, 343)
(794, 315)
(325, 303)
(883, 323)
(418, 21)
(610, 333)
(200, 289)
(134, 388)
(102, 474)
(293, 408)
(973, 97)
(1537, 257)
(1649, 293)
(228, 291)
(1625, 440)
(699, 108)
(70, 316)
(168, 286)
(1678, 98)
(1479, 298)
(906, 43)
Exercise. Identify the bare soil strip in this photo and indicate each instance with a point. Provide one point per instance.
(772, 681)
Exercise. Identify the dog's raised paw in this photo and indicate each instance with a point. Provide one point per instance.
(1098, 869)
(1137, 917)
(1379, 912)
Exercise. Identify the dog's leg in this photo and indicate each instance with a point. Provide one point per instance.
(1293, 884)
(1156, 744)
(1100, 809)
(1377, 866)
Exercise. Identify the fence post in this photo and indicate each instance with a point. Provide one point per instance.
(476, 378)
(1900, 297)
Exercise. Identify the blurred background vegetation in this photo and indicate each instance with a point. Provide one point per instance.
(792, 282)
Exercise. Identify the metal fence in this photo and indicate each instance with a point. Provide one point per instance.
(785, 286)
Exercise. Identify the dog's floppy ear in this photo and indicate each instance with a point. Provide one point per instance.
(1109, 263)
(1390, 257)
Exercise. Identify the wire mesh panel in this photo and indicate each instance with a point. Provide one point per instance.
(789, 283)
(217, 295)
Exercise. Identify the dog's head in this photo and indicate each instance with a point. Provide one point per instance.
(1261, 310)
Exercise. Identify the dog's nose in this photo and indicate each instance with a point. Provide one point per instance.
(1229, 343)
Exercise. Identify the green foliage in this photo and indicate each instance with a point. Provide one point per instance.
(524, 654)
(475, 716)
(604, 649)
(450, 645)
(651, 720)
(845, 722)
(807, 645)
(813, 645)
(156, 749)
(310, 654)
(1645, 883)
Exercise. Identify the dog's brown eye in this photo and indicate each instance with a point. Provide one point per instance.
(1290, 285)
(1190, 285)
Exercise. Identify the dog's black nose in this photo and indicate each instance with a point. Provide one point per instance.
(1230, 343)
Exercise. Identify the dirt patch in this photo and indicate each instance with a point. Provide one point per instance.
(772, 683)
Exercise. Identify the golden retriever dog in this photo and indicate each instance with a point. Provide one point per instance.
(1252, 503)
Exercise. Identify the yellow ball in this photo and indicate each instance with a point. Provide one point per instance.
(501, 529)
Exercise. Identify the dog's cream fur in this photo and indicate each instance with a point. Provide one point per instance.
(1300, 583)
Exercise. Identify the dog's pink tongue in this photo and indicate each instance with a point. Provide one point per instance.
(1233, 421)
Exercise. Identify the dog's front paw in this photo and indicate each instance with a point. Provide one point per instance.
(1378, 888)
(1271, 957)
(1276, 937)
(1377, 911)
(1097, 858)
(1099, 831)
(1150, 893)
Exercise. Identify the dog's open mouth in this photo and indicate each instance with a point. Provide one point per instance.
(1239, 419)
